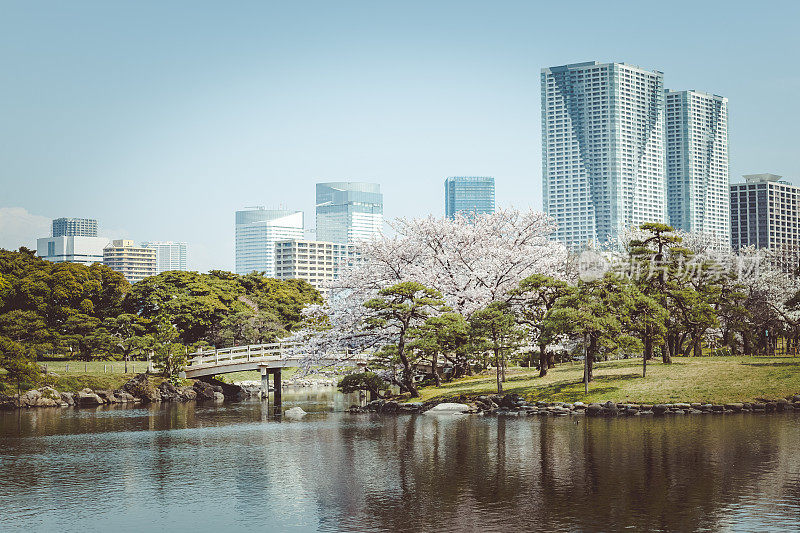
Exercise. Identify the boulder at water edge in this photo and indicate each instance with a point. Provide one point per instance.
(295, 413)
(448, 409)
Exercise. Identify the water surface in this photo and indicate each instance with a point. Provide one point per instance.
(186, 467)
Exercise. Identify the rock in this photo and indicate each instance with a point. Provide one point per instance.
(67, 398)
(87, 397)
(782, 405)
(232, 392)
(771, 407)
(187, 393)
(390, 407)
(509, 401)
(646, 412)
(735, 407)
(660, 409)
(610, 405)
(295, 413)
(29, 398)
(140, 387)
(696, 405)
(204, 391)
(449, 409)
(645, 407)
(759, 407)
(593, 409)
(219, 397)
(631, 412)
(125, 397)
(718, 408)
(796, 398)
(682, 406)
(579, 405)
(44, 401)
(694, 412)
(168, 392)
(107, 396)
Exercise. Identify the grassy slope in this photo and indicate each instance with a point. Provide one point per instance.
(709, 379)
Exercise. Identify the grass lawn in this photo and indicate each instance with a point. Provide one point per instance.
(689, 379)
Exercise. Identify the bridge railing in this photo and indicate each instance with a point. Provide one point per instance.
(239, 353)
(261, 352)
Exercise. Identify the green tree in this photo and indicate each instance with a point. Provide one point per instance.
(497, 325)
(169, 357)
(595, 313)
(366, 381)
(532, 300)
(21, 370)
(398, 309)
(446, 335)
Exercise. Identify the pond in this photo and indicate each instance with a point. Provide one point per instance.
(187, 467)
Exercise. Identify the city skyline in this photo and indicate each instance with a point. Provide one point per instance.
(194, 136)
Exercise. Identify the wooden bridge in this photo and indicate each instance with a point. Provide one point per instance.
(266, 358)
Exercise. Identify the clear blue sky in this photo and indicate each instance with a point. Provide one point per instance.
(161, 118)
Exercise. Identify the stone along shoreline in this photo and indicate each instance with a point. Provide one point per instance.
(138, 390)
(515, 405)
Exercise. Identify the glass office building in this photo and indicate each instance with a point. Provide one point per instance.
(169, 255)
(698, 184)
(468, 195)
(74, 227)
(348, 211)
(257, 231)
(602, 149)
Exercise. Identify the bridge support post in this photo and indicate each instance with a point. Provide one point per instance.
(264, 383)
(276, 383)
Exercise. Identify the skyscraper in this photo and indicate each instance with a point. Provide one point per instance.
(348, 211)
(765, 212)
(257, 231)
(71, 249)
(74, 227)
(602, 149)
(468, 194)
(169, 255)
(698, 185)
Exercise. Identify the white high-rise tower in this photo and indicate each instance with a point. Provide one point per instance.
(257, 231)
(602, 149)
(698, 183)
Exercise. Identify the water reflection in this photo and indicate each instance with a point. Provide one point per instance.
(190, 467)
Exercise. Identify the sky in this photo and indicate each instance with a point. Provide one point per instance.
(162, 118)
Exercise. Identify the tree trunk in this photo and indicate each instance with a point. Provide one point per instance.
(697, 345)
(435, 366)
(408, 376)
(543, 361)
(648, 353)
(497, 360)
(590, 357)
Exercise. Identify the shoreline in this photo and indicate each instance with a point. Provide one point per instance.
(515, 405)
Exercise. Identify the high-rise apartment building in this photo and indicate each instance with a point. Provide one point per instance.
(74, 227)
(257, 231)
(698, 185)
(602, 149)
(765, 212)
(313, 261)
(468, 195)
(348, 211)
(133, 262)
(71, 249)
(169, 255)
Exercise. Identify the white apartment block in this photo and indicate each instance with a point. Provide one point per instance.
(133, 262)
(316, 262)
(602, 149)
(169, 255)
(698, 183)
